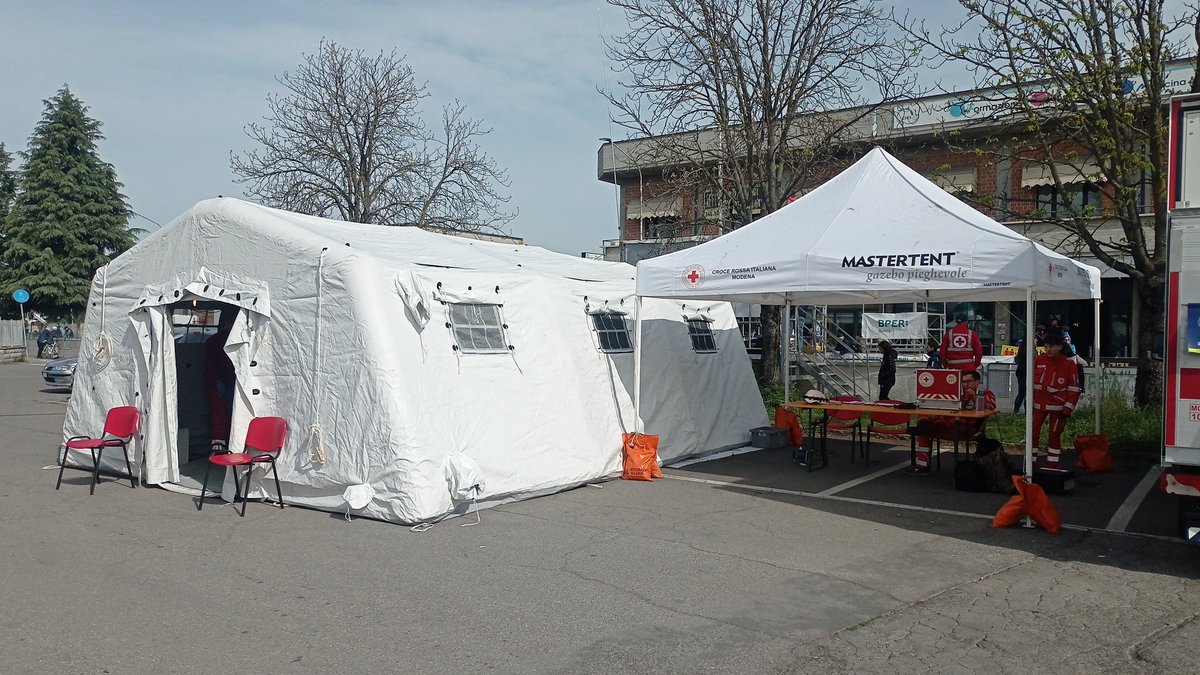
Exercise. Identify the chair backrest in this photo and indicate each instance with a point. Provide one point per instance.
(121, 422)
(886, 419)
(266, 434)
(836, 414)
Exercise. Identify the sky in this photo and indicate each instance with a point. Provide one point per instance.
(175, 83)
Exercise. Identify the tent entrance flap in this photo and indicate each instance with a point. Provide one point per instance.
(162, 318)
(204, 376)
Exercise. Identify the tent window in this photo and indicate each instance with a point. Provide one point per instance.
(703, 340)
(478, 329)
(613, 333)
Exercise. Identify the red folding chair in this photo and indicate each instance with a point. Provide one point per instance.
(885, 424)
(843, 420)
(119, 427)
(264, 440)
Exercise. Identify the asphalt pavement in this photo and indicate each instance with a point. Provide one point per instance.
(680, 575)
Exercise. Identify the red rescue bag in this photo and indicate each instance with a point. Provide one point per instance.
(641, 457)
(788, 419)
(1093, 454)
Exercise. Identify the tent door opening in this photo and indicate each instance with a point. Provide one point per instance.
(205, 381)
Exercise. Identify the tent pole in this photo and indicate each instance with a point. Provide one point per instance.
(1030, 352)
(787, 353)
(1096, 390)
(637, 366)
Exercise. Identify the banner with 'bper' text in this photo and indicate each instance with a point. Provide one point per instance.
(903, 326)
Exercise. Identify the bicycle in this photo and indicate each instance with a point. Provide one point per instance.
(52, 350)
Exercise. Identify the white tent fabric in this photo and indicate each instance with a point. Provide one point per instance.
(344, 331)
(877, 232)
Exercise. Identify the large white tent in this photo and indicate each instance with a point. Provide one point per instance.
(878, 232)
(444, 373)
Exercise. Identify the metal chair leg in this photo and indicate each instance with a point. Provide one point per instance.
(96, 455)
(246, 492)
(128, 466)
(278, 490)
(204, 486)
(61, 467)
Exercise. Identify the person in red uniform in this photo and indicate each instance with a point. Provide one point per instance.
(219, 382)
(950, 428)
(1055, 394)
(961, 348)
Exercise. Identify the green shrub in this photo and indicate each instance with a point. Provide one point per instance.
(1131, 430)
(773, 398)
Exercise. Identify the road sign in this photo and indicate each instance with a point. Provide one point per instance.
(21, 296)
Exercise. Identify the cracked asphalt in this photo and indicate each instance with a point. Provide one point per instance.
(671, 576)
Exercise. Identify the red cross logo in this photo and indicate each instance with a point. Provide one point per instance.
(693, 276)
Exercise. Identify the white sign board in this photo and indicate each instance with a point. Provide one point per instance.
(905, 326)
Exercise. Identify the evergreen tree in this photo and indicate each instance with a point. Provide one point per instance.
(8, 192)
(8, 186)
(69, 217)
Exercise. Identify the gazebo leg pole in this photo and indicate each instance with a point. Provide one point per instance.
(1096, 390)
(786, 331)
(637, 366)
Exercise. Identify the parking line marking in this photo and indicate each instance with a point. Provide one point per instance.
(908, 507)
(1120, 519)
(861, 479)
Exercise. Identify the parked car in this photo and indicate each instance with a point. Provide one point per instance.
(60, 372)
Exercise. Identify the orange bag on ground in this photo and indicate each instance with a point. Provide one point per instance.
(1092, 454)
(1011, 513)
(788, 419)
(641, 457)
(1038, 505)
(1031, 500)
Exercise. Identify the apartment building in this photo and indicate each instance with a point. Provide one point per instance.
(980, 165)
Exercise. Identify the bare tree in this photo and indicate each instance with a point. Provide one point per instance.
(1079, 84)
(346, 140)
(747, 100)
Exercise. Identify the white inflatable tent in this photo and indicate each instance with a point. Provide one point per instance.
(879, 232)
(436, 373)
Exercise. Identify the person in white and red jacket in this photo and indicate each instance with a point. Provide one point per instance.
(961, 348)
(1055, 395)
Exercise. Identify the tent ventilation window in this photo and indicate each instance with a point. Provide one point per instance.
(478, 329)
(703, 340)
(612, 330)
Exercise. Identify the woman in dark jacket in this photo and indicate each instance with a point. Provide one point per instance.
(1019, 359)
(887, 369)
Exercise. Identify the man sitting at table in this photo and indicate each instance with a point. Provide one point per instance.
(949, 428)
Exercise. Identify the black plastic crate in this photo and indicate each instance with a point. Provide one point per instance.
(1055, 481)
(768, 437)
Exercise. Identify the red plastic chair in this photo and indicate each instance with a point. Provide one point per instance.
(885, 424)
(119, 427)
(264, 440)
(843, 420)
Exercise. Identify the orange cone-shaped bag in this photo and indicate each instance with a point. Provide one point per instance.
(641, 457)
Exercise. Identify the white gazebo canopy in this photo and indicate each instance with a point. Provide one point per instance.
(878, 232)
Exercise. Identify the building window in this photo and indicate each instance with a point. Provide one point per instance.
(612, 330)
(703, 340)
(478, 329)
(1077, 199)
(751, 329)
